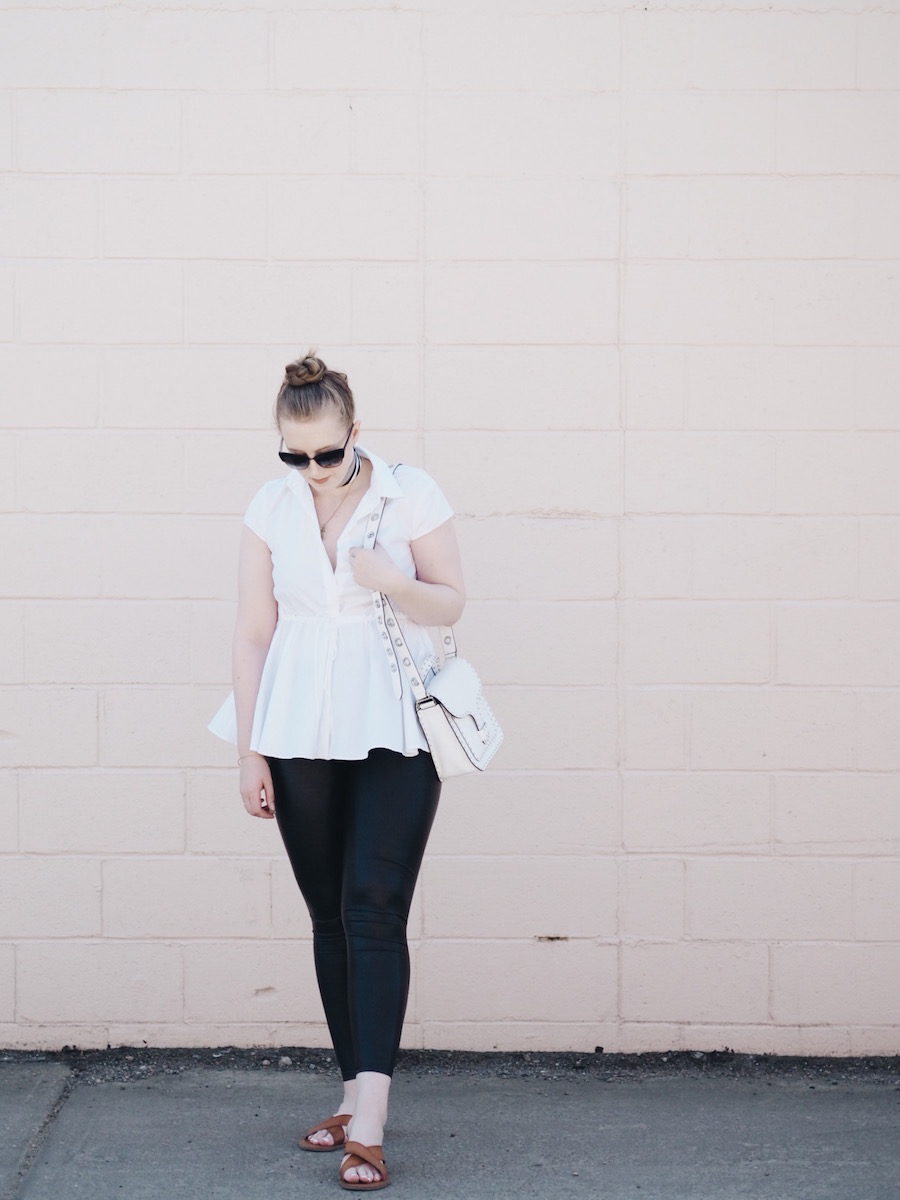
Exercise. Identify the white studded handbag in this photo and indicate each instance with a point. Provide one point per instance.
(460, 727)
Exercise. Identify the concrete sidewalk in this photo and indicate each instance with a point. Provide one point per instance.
(166, 1125)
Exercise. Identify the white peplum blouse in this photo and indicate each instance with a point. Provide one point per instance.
(326, 689)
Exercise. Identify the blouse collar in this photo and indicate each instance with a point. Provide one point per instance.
(384, 481)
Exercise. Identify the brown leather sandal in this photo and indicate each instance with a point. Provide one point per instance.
(334, 1126)
(359, 1154)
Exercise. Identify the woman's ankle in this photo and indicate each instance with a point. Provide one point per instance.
(348, 1103)
(371, 1102)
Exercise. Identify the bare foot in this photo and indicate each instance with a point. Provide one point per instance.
(324, 1137)
(369, 1132)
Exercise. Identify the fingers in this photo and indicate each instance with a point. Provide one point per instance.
(257, 792)
(372, 568)
(258, 806)
(360, 574)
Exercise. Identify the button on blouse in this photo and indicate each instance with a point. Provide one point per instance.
(326, 689)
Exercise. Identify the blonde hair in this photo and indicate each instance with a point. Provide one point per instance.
(309, 386)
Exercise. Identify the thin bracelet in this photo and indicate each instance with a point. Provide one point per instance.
(247, 755)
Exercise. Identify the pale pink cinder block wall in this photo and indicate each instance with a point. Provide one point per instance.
(624, 277)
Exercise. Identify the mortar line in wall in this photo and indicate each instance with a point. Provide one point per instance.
(270, 49)
(14, 134)
(770, 982)
(104, 858)
(623, 418)
(185, 1019)
(18, 791)
(267, 221)
(422, 123)
(101, 185)
(186, 811)
(620, 529)
(270, 877)
(856, 32)
(682, 856)
(351, 283)
(14, 298)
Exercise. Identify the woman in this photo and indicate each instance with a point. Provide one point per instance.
(325, 745)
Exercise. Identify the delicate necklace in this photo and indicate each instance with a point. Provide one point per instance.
(346, 484)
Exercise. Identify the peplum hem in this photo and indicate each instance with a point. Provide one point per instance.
(326, 692)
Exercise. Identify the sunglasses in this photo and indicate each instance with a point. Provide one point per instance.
(328, 458)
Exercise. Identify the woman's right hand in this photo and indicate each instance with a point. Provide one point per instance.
(256, 787)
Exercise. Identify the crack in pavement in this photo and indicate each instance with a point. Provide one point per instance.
(13, 1188)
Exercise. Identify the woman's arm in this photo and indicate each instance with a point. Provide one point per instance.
(256, 619)
(437, 595)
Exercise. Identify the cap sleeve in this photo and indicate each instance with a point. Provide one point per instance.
(259, 510)
(428, 506)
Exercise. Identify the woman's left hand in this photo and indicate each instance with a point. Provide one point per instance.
(375, 569)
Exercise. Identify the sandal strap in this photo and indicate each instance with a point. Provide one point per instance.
(331, 1123)
(372, 1155)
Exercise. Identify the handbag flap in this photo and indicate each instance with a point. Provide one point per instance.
(457, 686)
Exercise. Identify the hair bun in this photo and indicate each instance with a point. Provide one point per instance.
(305, 370)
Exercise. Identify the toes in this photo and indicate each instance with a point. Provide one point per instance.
(362, 1174)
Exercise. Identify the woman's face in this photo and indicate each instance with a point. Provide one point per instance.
(327, 430)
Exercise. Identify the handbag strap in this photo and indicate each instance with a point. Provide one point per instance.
(394, 643)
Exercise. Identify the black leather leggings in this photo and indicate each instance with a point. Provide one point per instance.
(355, 832)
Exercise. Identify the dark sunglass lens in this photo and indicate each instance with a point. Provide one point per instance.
(328, 458)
